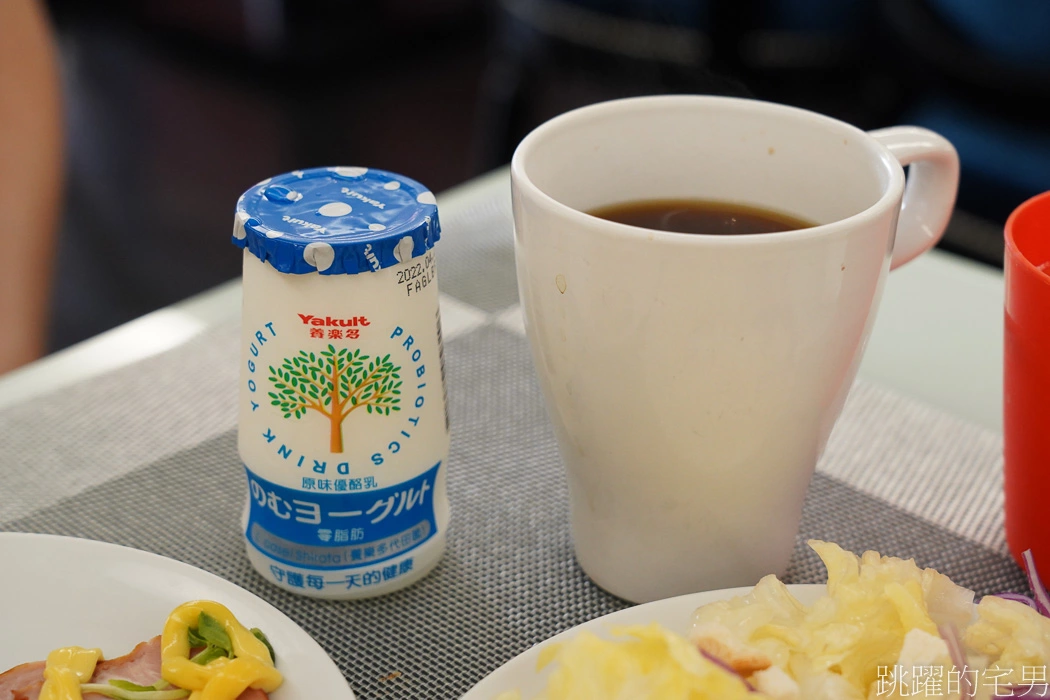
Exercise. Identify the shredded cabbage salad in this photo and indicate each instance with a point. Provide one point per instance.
(885, 629)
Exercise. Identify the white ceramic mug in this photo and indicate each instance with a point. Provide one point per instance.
(692, 380)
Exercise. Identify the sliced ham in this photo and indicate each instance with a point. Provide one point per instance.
(19, 677)
(141, 667)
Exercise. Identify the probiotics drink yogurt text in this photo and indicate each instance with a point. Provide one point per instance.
(343, 427)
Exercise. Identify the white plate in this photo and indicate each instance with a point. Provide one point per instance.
(61, 591)
(673, 613)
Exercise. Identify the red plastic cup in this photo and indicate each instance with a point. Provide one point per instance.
(1026, 381)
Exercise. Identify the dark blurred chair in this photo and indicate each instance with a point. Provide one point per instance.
(979, 73)
(553, 55)
(549, 56)
(816, 54)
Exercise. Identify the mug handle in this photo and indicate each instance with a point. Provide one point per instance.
(929, 196)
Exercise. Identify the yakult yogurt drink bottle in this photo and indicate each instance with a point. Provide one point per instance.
(343, 423)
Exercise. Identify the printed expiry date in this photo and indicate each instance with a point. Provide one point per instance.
(416, 277)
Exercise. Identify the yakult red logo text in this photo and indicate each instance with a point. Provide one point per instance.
(353, 322)
(332, 328)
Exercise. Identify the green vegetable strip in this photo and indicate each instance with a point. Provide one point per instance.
(262, 638)
(213, 633)
(112, 691)
(196, 640)
(128, 685)
(212, 636)
(208, 655)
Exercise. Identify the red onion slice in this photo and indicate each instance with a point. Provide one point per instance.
(726, 667)
(950, 635)
(1039, 592)
(1019, 598)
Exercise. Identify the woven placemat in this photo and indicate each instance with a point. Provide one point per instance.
(508, 579)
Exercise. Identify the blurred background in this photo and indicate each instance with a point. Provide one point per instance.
(174, 107)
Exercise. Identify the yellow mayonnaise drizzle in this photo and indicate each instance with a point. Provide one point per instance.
(221, 679)
(65, 670)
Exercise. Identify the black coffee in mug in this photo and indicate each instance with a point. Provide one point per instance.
(700, 216)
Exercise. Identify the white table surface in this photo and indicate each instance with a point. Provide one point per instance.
(938, 336)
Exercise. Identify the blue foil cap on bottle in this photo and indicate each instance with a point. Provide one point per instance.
(336, 221)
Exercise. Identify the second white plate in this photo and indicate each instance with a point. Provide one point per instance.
(673, 613)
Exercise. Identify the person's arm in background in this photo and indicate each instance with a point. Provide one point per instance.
(30, 177)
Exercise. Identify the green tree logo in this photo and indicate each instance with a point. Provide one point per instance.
(335, 383)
